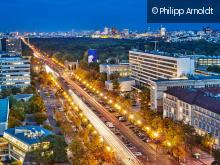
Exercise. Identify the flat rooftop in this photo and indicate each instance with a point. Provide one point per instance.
(121, 64)
(192, 77)
(160, 53)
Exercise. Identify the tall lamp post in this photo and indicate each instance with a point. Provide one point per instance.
(210, 144)
(156, 135)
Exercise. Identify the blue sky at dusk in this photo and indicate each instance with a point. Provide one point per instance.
(63, 15)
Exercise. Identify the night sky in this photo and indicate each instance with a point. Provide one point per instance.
(64, 15)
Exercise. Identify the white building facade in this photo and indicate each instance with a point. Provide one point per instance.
(148, 67)
(14, 71)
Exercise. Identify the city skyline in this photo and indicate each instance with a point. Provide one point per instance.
(58, 15)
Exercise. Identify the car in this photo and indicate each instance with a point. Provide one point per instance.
(138, 154)
(109, 124)
(122, 119)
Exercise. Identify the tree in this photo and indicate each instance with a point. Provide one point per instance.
(78, 151)
(116, 85)
(54, 153)
(40, 117)
(145, 97)
(216, 155)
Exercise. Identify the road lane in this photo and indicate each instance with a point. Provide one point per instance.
(113, 141)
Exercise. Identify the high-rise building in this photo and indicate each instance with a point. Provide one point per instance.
(11, 45)
(148, 67)
(14, 71)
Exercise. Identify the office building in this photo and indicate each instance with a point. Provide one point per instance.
(205, 60)
(4, 113)
(11, 45)
(25, 139)
(199, 108)
(149, 67)
(158, 87)
(123, 69)
(14, 71)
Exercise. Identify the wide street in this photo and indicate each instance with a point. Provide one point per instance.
(142, 146)
(83, 99)
(122, 152)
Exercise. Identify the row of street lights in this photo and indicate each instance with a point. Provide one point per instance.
(83, 118)
(154, 134)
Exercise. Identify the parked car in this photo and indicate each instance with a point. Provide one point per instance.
(109, 124)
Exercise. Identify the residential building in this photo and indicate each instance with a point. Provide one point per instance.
(123, 69)
(25, 139)
(197, 81)
(14, 71)
(199, 108)
(11, 45)
(149, 67)
(4, 113)
(125, 84)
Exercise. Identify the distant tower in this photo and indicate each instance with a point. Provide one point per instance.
(162, 31)
(106, 30)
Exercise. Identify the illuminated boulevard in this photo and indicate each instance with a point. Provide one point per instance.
(122, 152)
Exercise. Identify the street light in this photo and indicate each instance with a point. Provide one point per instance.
(156, 135)
(125, 112)
(139, 122)
(108, 148)
(131, 117)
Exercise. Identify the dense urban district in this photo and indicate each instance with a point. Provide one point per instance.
(110, 98)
